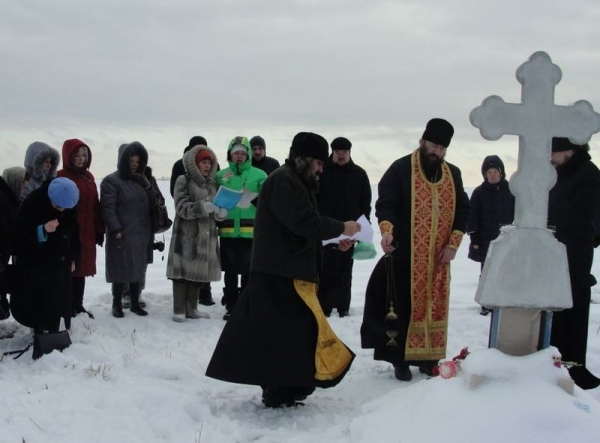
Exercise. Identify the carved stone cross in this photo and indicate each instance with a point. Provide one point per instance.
(526, 270)
(536, 120)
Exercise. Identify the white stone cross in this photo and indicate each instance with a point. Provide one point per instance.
(536, 120)
(526, 271)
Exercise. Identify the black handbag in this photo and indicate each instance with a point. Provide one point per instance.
(47, 342)
(159, 216)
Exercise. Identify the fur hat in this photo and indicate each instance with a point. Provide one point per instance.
(308, 144)
(438, 131)
(63, 193)
(257, 140)
(560, 144)
(341, 144)
(196, 140)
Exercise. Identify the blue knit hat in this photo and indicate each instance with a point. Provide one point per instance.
(63, 193)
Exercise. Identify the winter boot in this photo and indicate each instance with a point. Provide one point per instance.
(135, 304)
(205, 297)
(231, 297)
(179, 296)
(126, 297)
(117, 307)
(402, 372)
(191, 305)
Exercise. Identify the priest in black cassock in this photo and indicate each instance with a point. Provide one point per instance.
(278, 336)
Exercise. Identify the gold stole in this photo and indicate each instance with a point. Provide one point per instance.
(432, 207)
(331, 356)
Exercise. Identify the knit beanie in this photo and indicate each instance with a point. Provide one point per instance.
(438, 131)
(203, 154)
(257, 140)
(63, 193)
(308, 144)
(341, 144)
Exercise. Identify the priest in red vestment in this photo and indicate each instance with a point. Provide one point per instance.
(422, 210)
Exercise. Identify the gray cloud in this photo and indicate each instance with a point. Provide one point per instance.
(159, 72)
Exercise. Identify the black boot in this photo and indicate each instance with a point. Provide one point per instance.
(402, 372)
(135, 303)
(134, 290)
(205, 297)
(117, 307)
(231, 297)
(584, 378)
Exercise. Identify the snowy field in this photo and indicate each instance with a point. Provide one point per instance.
(141, 379)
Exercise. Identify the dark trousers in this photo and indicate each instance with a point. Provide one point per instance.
(335, 280)
(570, 327)
(78, 288)
(118, 288)
(235, 261)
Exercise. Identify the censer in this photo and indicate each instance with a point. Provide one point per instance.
(391, 319)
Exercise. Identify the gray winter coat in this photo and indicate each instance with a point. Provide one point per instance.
(124, 204)
(194, 250)
(35, 156)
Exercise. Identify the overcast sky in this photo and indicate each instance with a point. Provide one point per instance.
(374, 71)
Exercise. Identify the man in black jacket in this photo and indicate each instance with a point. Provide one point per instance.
(344, 194)
(277, 336)
(259, 158)
(571, 211)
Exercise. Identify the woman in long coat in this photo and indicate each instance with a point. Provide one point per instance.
(194, 259)
(125, 208)
(77, 159)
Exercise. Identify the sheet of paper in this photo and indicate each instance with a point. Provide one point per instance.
(365, 234)
(247, 198)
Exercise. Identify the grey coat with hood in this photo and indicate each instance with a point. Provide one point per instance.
(35, 156)
(124, 205)
(194, 252)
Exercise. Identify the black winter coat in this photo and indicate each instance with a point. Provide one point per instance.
(9, 208)
(572, 206)
(345, 191)
(492, 206)
(42, 294)
(267, 164)
(288, 229)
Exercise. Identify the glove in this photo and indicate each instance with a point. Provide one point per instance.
(209, 207)
(159, 246)
(142, 180)
(475, 238)
(119, 238)
(100, 239)
(222, 213)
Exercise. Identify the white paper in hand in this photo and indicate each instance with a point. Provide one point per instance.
(365, 234)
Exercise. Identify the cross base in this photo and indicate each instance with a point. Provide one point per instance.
(525, 268)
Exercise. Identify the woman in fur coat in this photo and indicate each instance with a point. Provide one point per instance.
(194, 259)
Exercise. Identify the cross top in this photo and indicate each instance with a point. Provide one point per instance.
(535, 120)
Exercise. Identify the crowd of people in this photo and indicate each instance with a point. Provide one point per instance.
(279, 282)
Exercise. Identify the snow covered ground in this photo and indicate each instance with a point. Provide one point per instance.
(141, 379)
